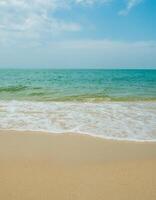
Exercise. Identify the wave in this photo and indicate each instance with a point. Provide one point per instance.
(13, 88)
(39, 94)
(111, 120)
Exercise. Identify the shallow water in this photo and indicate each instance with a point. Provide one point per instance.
(78, 85)
(115, 120)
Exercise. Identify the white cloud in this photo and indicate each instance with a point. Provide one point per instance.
(91, 2)
(33, 18)
(130, 4)
(27, 20)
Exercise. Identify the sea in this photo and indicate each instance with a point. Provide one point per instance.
(118, 104)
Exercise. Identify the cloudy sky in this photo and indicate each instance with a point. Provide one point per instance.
(78, 33)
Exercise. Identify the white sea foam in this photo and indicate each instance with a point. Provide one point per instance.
(115, 120)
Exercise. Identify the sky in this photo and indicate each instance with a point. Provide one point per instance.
(77, 34)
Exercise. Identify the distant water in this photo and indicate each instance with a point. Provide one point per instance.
(117, 104)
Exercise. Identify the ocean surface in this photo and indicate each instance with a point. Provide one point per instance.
(113, 104)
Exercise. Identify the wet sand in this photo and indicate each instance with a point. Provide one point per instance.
(40, 166)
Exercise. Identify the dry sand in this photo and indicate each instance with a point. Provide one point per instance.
(38, 166)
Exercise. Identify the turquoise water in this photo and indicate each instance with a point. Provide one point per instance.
(112, 104)
(78, 85)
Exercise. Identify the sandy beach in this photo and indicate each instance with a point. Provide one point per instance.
(75, 167)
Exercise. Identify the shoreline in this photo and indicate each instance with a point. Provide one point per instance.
(105, 148)
(48, 133)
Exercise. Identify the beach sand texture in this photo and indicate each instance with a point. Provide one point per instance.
(39, 166)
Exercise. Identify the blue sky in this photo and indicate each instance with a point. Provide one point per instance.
(78, 33)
